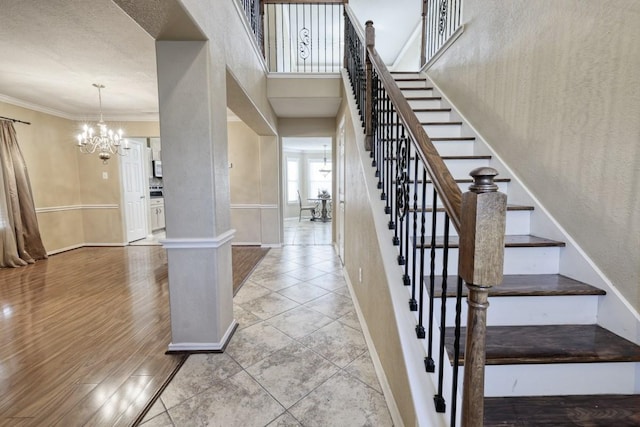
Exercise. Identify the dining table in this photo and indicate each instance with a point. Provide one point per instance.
(324, 212)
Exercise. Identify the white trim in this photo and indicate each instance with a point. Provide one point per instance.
(253, 206)
(138, 117)
(198, 243)
(205, 346)
(377, 364)
(106, 244)
(246, 244)
(291, 75)
(68, 248)
(457, 33)
(75, 207)
(272, 245)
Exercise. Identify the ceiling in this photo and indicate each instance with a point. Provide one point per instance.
(54, 50)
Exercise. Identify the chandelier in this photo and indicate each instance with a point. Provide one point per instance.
(106, 142)
(325, 170)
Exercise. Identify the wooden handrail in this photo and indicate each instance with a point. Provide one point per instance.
(446, 186)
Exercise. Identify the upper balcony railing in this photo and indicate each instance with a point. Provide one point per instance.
(298, 36)
(441, 19)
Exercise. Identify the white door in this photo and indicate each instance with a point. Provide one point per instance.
(136, 189)
(341, 185)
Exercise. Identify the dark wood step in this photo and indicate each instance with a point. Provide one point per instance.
(393, 159)
(409, 79)
(461, 180)
(514, 345)
(416, 88)
(440, 138)
(525, 285)
(429, 209)
(422, 110)
(428, 124)
(606, 410)
(424, 98)
(510, 241)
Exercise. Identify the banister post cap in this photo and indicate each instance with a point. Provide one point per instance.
(369, 33)
(483, 180)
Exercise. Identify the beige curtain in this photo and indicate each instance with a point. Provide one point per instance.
(20, 242)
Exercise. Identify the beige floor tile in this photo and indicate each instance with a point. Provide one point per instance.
(303, 292)
(238, 401)
(291, 373)
(336, 342)
(269, 305)
(198, 373)
(362, 368)
(332, 305)
(299, 322)
(342, 401)
(252, 344)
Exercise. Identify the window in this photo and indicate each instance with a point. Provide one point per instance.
(293, 179)
(318, 181)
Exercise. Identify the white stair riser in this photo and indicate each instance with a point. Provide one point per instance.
(417, 93)
(452, 130)
(530, 310)
(403, 84)
(433, 116)
(517, 223)
(431, 103)
(559, 379)
(518, 260)
(460, 168)
(455, 148)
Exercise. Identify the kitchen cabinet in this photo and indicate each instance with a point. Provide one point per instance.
(157, 213)
(156, 148)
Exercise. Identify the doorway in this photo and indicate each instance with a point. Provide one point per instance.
(135, 190)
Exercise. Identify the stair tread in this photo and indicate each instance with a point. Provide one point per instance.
(592, 410)
(416, 88)
(422, 110)
(439, 138)
(423, 98)
(526, 285)
(460, 180)
(510, 241)
(543, 344)
(451, 158)
(509, 208)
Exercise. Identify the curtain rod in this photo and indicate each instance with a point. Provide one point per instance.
(14, 120)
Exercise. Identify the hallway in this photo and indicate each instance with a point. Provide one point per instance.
(298, 358)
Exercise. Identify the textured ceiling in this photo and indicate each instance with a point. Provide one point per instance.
(53, 51)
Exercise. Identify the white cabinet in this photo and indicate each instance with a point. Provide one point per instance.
(157, 213)
(156, 148)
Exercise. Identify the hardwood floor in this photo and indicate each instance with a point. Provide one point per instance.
(83, 337)
(244, 260)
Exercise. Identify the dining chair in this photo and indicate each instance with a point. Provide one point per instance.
(310, 208)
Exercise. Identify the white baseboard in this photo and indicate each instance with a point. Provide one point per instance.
(377, 364)
(205, 346)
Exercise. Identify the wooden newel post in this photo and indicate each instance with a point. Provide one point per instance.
(370, 41)
(480, 265)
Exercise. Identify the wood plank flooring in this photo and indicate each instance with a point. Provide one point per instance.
(83, 337)
(244, 260)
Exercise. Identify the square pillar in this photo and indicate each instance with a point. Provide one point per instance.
(193, 128)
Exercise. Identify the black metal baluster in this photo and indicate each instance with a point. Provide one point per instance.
(429, 362)
(439, 398)
(420, 333)
(413, 303)
(406, 278)
(401, 196)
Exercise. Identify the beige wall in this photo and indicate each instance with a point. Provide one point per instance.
(75, 205)
(553, 87)
(372, 293)
(244, 180)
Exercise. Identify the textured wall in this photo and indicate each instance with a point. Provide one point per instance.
(372, 293)
(553, 86)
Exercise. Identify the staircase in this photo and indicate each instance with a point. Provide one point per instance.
(548, 361)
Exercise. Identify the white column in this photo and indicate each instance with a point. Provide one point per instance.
(193, 128)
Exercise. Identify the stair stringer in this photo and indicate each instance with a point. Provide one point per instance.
(614, 310)
(423, 385)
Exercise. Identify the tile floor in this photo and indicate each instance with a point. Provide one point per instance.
(298, 357)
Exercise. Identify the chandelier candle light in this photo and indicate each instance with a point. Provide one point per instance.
(106, 142)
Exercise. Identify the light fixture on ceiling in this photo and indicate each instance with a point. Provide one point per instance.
(106, 142)
(325, 170)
